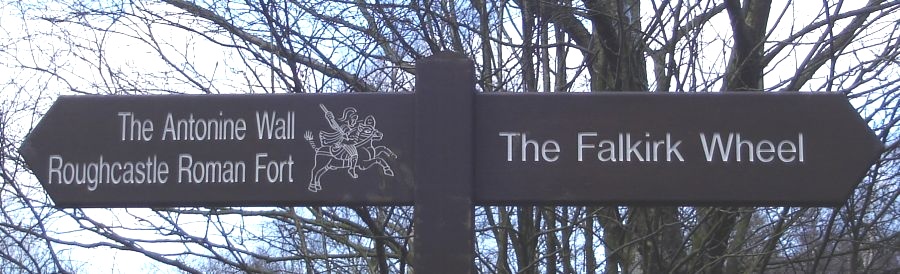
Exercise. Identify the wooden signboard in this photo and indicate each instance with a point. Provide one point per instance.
(445, 149)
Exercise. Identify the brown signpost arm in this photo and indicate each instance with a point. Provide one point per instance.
(444, 166)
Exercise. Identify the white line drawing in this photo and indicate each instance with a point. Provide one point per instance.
(341, 148)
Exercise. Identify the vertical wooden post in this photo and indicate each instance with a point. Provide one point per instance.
(444, 168)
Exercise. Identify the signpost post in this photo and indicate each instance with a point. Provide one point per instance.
(444, 168)
(446, 148)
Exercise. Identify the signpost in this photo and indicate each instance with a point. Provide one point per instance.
(445, 149)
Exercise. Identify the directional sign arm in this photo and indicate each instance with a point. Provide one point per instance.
(670, 149)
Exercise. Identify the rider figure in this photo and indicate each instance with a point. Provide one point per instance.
(343, 142)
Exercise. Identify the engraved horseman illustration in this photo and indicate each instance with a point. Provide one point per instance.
(340, 148)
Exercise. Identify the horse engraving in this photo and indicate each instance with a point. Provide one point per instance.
(351, 146)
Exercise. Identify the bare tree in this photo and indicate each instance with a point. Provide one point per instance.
(176, 46)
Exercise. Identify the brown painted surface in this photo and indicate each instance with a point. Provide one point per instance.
(444, 213)
(79, 129)
(808, 149)
(838, 149)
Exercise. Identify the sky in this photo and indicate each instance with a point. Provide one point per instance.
(29, 43)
